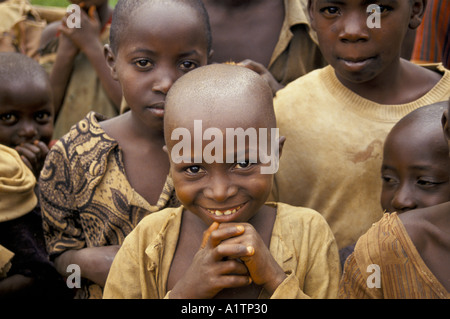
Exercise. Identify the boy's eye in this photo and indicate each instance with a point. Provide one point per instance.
(388, 180)
(8, 118)
(193, 169)
(384, 8)
(143, 63)
(188, 65)
(330, 11)
(242, 165)
(426, 183)
(42, 117)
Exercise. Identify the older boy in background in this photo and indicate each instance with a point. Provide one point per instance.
(336, 119)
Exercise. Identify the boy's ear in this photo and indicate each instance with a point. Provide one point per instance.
(281, 141)
(311, 16)
(110, 60)
(417, 12)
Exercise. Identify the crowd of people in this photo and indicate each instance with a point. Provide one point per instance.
(95, 170)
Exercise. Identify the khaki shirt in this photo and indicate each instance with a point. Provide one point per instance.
(301, 243)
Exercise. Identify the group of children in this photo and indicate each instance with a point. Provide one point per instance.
(144, 218)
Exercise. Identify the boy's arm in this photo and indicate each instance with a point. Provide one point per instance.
(61, 66)
(94, 262)
(87, 40)
(62, 70)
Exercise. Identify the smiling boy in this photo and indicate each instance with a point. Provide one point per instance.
(336, 119)
(255, 249)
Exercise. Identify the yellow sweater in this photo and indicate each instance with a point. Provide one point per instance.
(301, 243)
(332, 157)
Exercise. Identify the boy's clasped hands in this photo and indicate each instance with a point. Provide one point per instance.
(230, 256)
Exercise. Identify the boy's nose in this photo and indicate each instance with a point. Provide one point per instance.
(354, 28)
(164, 81)
(403, 200)
(220, 189)
(28, 130)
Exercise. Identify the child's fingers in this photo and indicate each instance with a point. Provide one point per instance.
(29, 151)
(27, 162)
(208, 232)
(226, 231)
(234, 251)
(42, 147)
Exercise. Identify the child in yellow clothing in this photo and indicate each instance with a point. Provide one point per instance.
(335, 119)
(251, 249)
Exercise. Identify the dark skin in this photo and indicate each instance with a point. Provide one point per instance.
(415, 179)
(26, 119)
(248, 25)
(235, 261)
(367, 60)
(94, 16)
(429, 229)
(150, 57)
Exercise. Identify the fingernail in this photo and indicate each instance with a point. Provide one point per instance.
(240, 228)
(250, 250)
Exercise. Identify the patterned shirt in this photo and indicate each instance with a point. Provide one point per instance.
(86, 198)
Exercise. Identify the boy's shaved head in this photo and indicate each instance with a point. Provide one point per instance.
(220, 95)
(17, 67)
(424, 120)
(125, 9)
(416, 168)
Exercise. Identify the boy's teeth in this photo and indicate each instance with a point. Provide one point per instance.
(227, 212)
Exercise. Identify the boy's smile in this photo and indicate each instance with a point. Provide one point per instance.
(222, 190)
